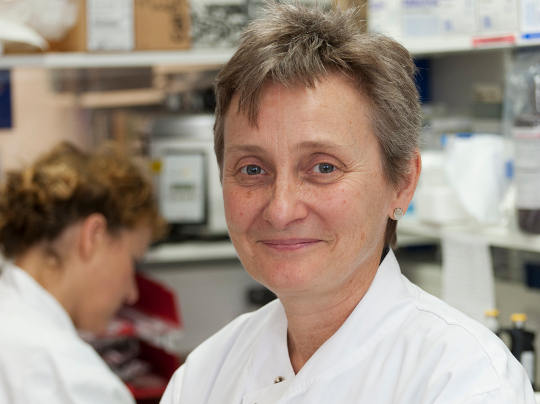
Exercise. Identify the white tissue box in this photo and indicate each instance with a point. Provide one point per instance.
(439, 205)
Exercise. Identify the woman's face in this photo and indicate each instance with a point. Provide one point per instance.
(110, 279)
(306, 201)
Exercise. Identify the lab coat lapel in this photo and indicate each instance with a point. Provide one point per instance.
(271, 355)
(377, 314)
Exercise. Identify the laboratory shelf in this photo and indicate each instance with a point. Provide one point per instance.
(191, 251)
(457, 44)
(496, 236)
(422, 46)
(466, 43)
(62, 60)
(208, 58)
(437, 45)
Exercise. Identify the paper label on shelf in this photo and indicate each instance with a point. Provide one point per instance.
(497, 15)
(493, 41)
(530, 18)
(457, 17)
(420, 18)
(526, 132)
(531, 36)
(110, 25)
(527, 189)
(384, 16)
(437, 17)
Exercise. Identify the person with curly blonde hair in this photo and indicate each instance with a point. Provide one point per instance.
(73, 226)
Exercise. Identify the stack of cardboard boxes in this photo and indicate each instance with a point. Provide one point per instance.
(127, 25)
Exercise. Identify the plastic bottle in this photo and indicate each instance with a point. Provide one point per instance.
(526, 135)
(522, 123)
(492, 320)
(522, 345)
(527, 172)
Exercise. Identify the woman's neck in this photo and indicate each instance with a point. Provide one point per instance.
(48, 271)
(41, 266)
(314, 319)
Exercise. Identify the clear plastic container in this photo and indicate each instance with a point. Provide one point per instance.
(522, 124)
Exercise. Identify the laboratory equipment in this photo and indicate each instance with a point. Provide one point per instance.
(187, 175)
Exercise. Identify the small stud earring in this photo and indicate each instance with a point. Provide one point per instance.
(398, 213)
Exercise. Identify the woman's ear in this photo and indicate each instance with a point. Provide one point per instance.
(93, 235)
(406, 191)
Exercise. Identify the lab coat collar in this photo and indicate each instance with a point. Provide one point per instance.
(34, 296)
(382, 308)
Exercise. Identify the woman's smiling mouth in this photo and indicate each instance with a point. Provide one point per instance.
(290, 244)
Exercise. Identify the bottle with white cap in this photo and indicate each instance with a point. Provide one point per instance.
(492, 320)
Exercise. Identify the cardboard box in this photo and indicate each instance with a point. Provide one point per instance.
(125, 25)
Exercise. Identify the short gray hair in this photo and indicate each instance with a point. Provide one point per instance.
(297, 45)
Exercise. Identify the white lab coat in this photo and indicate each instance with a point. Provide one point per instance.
(42, 359)
(400, 345)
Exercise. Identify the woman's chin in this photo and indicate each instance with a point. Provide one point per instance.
(285, 281)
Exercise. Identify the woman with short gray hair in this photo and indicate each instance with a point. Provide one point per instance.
(316, 137)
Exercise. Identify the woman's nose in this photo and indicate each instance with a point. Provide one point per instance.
(133, 292)
(286, 204)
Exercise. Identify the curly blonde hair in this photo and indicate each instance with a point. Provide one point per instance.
(67, 185)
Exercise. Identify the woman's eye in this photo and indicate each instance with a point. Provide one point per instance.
(252, 170)
(324, 168)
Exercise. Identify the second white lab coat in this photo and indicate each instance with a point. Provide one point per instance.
(42, 358)
(400, 345)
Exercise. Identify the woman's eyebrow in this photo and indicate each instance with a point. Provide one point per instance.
(314, 144)
(307, 145)
(244, 149)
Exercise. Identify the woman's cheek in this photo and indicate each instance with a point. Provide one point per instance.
(235, 208)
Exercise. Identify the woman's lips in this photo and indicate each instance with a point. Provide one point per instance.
(290, 244)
